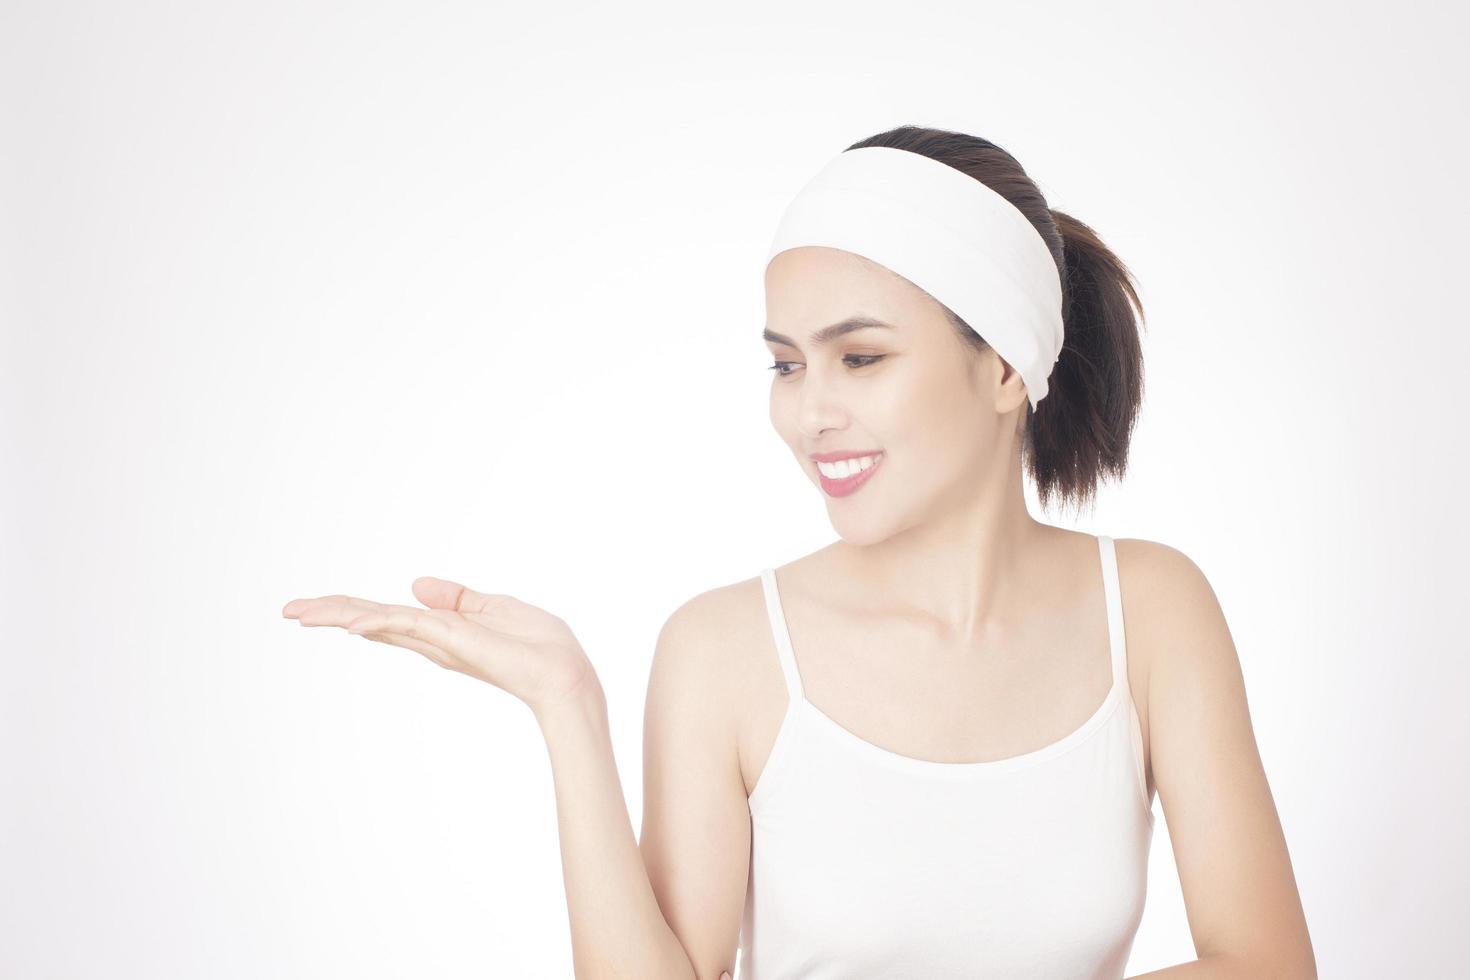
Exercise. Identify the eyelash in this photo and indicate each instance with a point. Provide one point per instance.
(865, 358)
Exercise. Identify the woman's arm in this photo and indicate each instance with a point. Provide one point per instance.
(696, 838)
(617, 927)
(1240, 893)
(691, 866)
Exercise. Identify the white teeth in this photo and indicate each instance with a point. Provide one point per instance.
(845, 467)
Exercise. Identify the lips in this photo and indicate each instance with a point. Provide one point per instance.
(847, 485)
(840, 454)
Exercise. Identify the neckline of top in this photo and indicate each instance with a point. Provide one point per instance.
(798, 702)
(936, 767)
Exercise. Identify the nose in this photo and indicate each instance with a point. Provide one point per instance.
(820, 406)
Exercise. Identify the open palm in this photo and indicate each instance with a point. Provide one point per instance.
(499, 639)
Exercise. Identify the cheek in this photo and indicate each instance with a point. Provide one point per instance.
(936, 420)
(920, 399)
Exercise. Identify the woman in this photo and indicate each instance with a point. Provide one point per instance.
(928, 749)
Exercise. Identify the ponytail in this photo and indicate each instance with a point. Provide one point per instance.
(1079, 433)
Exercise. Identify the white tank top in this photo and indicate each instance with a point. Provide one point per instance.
(874, 865)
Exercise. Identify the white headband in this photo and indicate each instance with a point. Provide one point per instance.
(948, 234)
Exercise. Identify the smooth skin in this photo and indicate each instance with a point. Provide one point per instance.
(940, 581)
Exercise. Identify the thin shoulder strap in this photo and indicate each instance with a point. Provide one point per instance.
(1114, 593)
(783, 639)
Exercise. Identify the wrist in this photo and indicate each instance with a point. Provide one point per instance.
(586, 705)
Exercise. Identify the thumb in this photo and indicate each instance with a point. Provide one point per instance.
(441, 593)
(725, 975)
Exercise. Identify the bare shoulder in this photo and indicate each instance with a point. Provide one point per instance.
(1164, 581)
(708, 640)
(720, 643)
(1158, 565)
(716, 624)
(1174, 625)
(1166, 596)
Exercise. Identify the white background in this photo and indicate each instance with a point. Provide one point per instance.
(300, 299)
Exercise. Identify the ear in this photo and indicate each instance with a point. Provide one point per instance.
(1010, 388)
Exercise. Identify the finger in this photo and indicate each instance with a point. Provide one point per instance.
(440, 628)
(428, 650)
(296, 607)
(340, 612)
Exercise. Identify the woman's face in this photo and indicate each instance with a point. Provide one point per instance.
(935, 419)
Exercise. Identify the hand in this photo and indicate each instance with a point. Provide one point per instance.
(496, 638)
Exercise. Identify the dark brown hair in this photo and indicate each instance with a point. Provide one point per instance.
(1079, 432)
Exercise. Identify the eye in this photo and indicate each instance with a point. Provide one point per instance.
(863, 361)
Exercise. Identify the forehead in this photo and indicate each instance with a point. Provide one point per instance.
(814, 288)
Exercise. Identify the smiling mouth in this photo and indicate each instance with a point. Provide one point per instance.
(844, 468)
(845, 476)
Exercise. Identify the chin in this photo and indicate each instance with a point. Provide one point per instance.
(861, 533)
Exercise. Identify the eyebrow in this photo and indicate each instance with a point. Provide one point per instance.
(831, 332)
